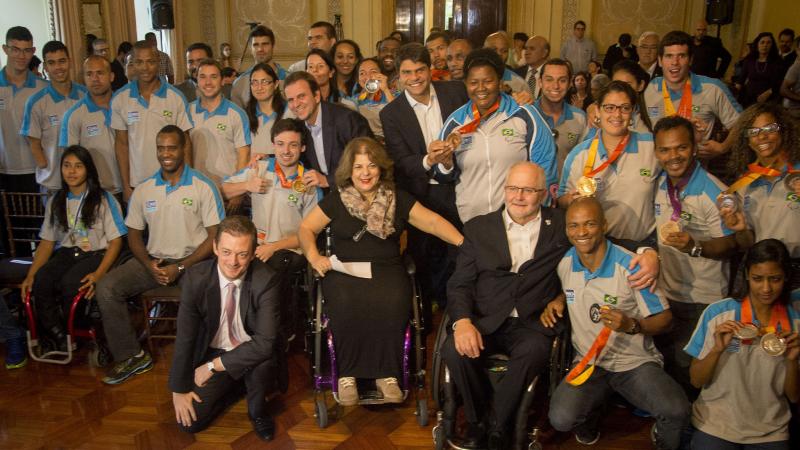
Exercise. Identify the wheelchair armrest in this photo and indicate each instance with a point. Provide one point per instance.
(411, 268)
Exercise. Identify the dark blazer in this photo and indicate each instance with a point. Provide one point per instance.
(614, 55)
(484, 289)
(339, 126)
(198, 321)
(405, 141)
(521, 70)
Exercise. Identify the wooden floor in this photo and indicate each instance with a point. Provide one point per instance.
(50, 406)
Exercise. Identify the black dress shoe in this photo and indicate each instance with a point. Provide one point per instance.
(497, 440)
(474, 439)
(264, 427)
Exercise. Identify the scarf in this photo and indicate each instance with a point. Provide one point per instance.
(379, 214)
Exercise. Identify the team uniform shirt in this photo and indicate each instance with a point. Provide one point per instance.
(216, 136)
(370, 109)
(513, 133)
(773, 211)
(240, 91)
(515, 82)
(44, 111)
(586, 292)
(261, 141)
(176, 216)
(108, 224)
(15, 152)
(278, 212)
(744, 402)
(89, 125)
(684, 278)
(625, 189)
(709, 95)
(569, 130)
(143, 120)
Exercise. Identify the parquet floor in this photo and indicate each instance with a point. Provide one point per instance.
(48, 406)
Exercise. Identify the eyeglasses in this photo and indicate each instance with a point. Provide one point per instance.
(16, 51)
(625, 108)
(648, 47)
(264, 82)
(768, 128)
(514, 190)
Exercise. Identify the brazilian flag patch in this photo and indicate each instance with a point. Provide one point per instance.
(792, 197)
(686, 216)
(166, 113)
(610, 299)
(508, 131)
(187, 201)
(645, 172)
(222, 127)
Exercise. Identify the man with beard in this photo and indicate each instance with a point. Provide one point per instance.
(457, 53)
(387, 53)
(180, 210)
(196, 53)
(437, 43)
(710, 57)
(44, 112)
(262, 46)
(321, 35)
(88, 123)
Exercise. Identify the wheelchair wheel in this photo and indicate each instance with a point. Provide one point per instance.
(437, 371)
(535, 446)
(321, 411)
(439, 438)
(422, 412)
(99, 356)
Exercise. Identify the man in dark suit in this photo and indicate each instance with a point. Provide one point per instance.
(710, 57)
(331, 127)
(410, 123)
(537, 50)
(505, 276)
(227, 333)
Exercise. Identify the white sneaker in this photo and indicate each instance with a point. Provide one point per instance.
(390, 390)
(348, 392)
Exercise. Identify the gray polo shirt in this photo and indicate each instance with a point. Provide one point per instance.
(772, 211)
(175, 216)
(131, 112)
(708, 94)
(278, 212)
(261, 141)
(107, 226)
(571, 129)
(240, 92)
(15, 153)
(579, 52)
(89, 125)
(216, 136)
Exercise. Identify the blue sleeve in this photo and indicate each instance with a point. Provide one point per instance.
(63, 132)
(542, 147)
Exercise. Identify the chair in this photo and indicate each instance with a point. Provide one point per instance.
(23, 215)
(156, 306)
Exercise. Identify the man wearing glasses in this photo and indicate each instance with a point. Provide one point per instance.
(505, 276)
(578, 49)
(648, 53)
(17, 85)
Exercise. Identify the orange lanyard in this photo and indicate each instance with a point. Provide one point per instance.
(281, 176)
(778, 318)
(472, 126)
(580, 373)
(754, 172)
(587, 168)
(685, 108)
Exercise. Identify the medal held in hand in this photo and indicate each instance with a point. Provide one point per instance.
(773, 344)
(372, 86)
(299, 186)
(792, 182)
(586, 186)
(667, 228)
(748, 331)
(728, 202)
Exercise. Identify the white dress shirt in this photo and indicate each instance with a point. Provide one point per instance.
(222, 339)
(319, 145)
(522, 240)
(430, 122)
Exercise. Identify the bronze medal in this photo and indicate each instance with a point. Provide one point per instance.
(299, 186)
(586, 186)
(667, 228)
(773, 344)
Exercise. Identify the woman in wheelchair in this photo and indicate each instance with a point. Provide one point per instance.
(745, 359)
(367, 215)
(81, 238)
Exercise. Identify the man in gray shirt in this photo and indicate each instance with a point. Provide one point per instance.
(579, 50)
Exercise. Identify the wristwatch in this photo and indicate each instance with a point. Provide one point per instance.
(210, 366)
(636, 328)
(181, 268)
(696, 251)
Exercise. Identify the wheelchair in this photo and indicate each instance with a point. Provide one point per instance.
(321, 349)
(446, 401)
(81, 320)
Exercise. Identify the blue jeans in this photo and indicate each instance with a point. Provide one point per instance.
(8, 326)
(646, 387)
(705, 441)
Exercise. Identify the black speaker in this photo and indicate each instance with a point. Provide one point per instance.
(161, 14)
(719, 12)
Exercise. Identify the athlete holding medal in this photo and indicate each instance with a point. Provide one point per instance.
(746, 359)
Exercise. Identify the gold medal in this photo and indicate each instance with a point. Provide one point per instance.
(773, 345)
(586, 186)
(667, 228)
(298, 185)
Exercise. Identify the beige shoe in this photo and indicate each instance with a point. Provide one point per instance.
(348, 393)
(390, 390)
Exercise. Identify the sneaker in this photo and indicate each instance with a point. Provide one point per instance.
(348, 392)
(123, 370)
(587, 439)
(390, 390)
(16, 353)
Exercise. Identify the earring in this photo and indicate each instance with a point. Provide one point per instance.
(597, 120)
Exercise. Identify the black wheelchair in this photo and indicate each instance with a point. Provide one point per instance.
(446, 400)
(321, 349)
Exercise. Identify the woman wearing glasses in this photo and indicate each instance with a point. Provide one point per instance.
(766, 161)
(367, 215)
(619, 167)
(265, 107)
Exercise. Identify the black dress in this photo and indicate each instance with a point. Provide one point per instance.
(367, 316)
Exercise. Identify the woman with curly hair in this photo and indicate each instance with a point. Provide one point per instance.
(766, 159)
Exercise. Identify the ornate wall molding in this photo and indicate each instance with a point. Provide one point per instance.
(208, 21)
(569, 16)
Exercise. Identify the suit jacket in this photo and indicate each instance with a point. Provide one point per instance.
(484, 289)
(521, 71)
(340, 125)
(199, 315)
(405, 141)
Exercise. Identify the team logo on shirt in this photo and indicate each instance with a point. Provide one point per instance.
(53, 119)
(133, 117)
(657, 208)
(594, 313)
(609, 299)
(167, 113)
(645, 172)
(222, 127)
(572, 138)
(570, 294)
(508, 131)
(686, 216)
(652, 110)
(187, 201)
(695, 108)
(150, 206)
(792, 197)
(92, 130)
(2, 103)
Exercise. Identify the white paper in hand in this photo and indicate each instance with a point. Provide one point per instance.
(356, 269)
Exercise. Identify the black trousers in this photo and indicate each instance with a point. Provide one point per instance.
(222, 391)
(58, 281)
(529, 355)
(288, 263)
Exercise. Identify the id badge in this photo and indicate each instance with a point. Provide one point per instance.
(93, 130)
(133, 117)
(53, 119)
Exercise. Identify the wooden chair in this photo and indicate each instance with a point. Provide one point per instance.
(160, 307)
(23, 214)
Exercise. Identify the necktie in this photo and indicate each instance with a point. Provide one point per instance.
(230, 312)
(532, 82)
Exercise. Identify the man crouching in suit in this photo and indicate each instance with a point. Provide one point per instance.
(227, 332)
(505, 275)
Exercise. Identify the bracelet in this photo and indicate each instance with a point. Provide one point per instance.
(636, 328)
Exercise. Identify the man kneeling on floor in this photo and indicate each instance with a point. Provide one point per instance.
(227, 332)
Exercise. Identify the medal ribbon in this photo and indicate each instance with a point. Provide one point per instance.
(440, 75)
(281, 176)
(673, 192)
(376, 97)
(74, 224)
(587, 168)
(472, 126)
(685, 108)
(778, 318)
(580, 373)
(754, 172)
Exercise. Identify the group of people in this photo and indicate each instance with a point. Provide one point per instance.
(525, 212)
